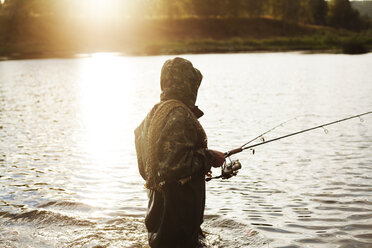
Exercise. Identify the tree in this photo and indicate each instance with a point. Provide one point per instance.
(318, 11)
(342, 15)
(206, 8)
(287, 10)
(254, 8)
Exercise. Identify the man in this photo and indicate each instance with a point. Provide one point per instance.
(173, 158)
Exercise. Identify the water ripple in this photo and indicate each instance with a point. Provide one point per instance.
(67, 155)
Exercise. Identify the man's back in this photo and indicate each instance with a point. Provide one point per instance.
(173, 158)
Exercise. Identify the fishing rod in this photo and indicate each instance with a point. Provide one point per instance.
(272, 129)
(231, 169)
(242, 148)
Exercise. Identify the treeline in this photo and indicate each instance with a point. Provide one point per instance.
(364, 7)
(307, 11)
(335, 13)
(45, 28)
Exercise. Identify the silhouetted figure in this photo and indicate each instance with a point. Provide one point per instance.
(173, 158)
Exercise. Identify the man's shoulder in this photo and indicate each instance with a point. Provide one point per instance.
(177, 111)
(170, 105)
(173, 109)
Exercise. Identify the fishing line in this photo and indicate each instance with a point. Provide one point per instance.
(272, 129)
(242, 148)
(231, 169)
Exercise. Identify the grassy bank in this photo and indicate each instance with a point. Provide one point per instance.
(55, 38)
(316, 43)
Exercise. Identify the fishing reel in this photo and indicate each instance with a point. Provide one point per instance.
(231, 169)
(228, 170)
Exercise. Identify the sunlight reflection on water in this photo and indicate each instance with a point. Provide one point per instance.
(67, 146)
(107, 90)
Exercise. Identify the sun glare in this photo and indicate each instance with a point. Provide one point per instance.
(103, 9)
(106, 95)
(99, 8)
(106, 90)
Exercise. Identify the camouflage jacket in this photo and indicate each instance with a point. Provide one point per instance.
(171, 145)
(170, 142)
(173, 158)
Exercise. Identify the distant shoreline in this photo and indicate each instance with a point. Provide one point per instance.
(184, 36)
(118, 53)
(171, 50)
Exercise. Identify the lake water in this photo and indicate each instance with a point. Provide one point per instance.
(68, 170)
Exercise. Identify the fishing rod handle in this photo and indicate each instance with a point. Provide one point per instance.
(233, 151)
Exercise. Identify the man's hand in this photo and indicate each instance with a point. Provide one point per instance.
(219, 158)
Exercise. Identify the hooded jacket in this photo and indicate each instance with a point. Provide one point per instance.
(173, 158)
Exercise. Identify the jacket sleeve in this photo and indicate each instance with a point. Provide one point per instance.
(178, 152)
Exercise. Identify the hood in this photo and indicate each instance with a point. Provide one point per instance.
(180, 81)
